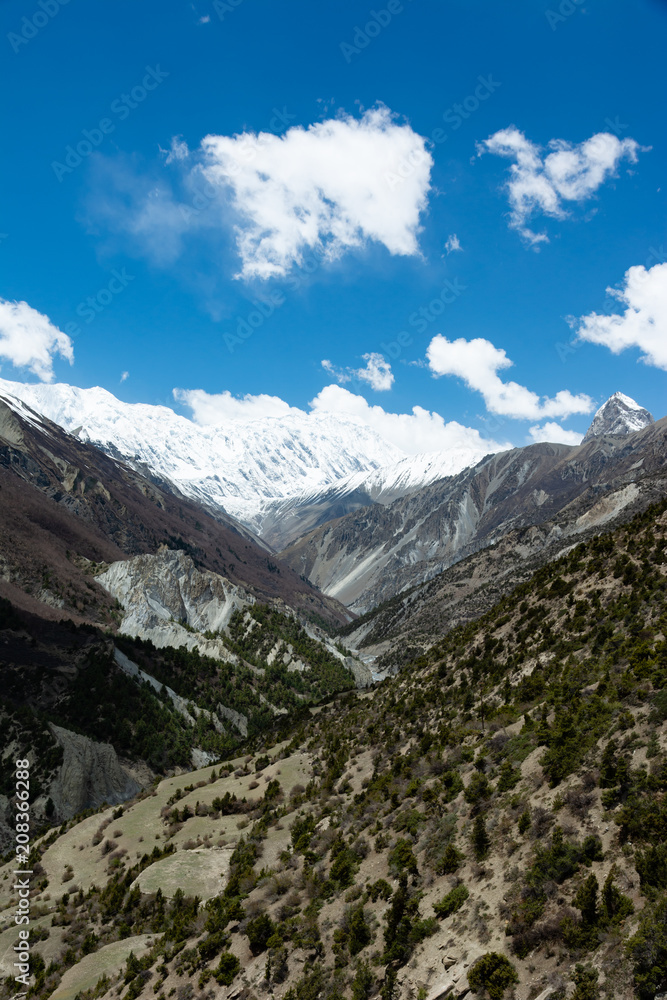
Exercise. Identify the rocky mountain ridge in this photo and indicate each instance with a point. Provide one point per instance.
(252, 469)
(618, 415)
(235, 466)
(66, 507)
(168, 601)
(374, 553)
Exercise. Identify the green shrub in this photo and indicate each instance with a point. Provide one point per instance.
(651, 866)
(509, 776)
(259, 930)
(648, 951)
(211, 945)
(451, 861)
(481, 842)
(494, 973)
(592, 849)
(363, 982)
(586, 983)
(227, 969)
(452, 784)
(379, 890)
(405, 928)
(615, 906)
(452, 902)
(402, 858)
(478, 788)
(586, 900)
(359, 933)
(344, 868)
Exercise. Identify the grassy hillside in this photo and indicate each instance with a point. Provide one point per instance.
(494, 817)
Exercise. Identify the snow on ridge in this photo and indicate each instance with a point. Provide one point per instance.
(631, 404)
(243, 465)
(23, 410)
(243, 461)
(620, 414)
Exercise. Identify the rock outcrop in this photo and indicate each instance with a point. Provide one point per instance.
(89, 776)
(168, 600)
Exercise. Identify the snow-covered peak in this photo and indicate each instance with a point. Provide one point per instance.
(235, 465)
(619, 415)
(243, 464)
(626, 401)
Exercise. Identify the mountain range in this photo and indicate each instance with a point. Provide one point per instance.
(147, 629)
(280, 476)
(260, 471)
(366, 557)
(489, 822)
(103, 532)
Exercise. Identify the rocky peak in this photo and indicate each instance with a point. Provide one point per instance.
(619, 415)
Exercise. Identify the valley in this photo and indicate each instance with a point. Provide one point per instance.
(417, 752)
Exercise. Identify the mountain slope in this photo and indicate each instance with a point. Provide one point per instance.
(233, 467)
(280, 522)
(406, 625)
(494, 816)
(65, 507)
(369, 556)
(99, 711)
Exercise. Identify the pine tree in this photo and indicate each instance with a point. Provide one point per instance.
(586, 900)
(480, 838)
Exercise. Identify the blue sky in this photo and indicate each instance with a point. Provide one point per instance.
(154, 231)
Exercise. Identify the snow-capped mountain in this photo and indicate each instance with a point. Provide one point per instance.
(245, 467)
(280, 522)
(619, 415)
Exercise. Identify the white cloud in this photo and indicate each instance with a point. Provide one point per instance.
(570, 172)
(478, 362)
(28, 339)
(377, 372)
(453, 244)
(416, 432)
(555, 434)
(209, 408)
(643, 324)
(413, 433)
(320, 188)
(124, 376)
(177, 151)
